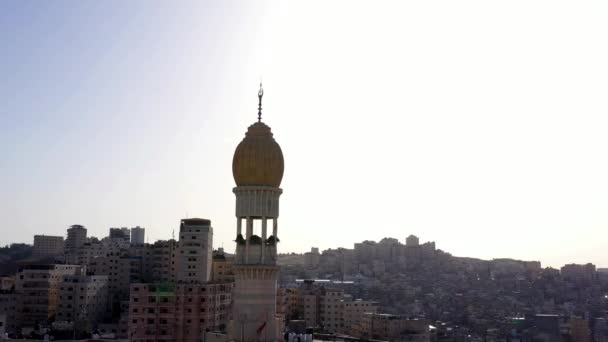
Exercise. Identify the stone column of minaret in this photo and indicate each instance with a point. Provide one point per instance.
(257, 167)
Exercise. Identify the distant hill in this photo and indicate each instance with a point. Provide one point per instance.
(11, 255)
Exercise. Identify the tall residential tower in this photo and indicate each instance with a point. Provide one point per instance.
(195, 251)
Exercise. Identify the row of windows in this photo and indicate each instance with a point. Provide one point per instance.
(161, 321)
(189, 310)
(151, 310)
(152, 299)
(190, 289)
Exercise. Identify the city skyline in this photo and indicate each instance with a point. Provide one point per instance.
(496, 151)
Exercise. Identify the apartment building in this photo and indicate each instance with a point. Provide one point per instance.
(222, 267)
(178, 312)
(9, 309)
(47, 246)
(387, 327)
(353, 311)
(38, 289)
(83, 300)
(195, 251)
(330, 309)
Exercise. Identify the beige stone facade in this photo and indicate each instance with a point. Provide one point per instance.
(222, 268)
(289, 303)
(353, 311)
(328, 309)
(388, 327)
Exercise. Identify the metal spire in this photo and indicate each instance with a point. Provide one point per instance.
(260, 94)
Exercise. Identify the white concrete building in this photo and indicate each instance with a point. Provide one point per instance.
(195, 249)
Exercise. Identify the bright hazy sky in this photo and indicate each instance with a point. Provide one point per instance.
(481, 125)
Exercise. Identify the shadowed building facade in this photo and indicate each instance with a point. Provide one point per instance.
(257, 167)
(177, 312)
(37, 286)
(47, 246)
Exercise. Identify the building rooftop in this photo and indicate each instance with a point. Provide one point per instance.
(196, 222)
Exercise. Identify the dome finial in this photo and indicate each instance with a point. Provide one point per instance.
(260, 94)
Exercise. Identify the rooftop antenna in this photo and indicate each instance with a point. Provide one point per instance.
(260, 94)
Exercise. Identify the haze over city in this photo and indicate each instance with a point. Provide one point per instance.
(477, 125)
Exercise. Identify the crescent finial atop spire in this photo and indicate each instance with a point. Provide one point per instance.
(260, 94)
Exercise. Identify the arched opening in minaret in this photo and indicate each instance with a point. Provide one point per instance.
(257, 227)
(256, 240)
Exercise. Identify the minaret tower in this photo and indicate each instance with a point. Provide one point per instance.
(257, 167)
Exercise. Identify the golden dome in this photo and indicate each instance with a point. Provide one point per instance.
(258, 159)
